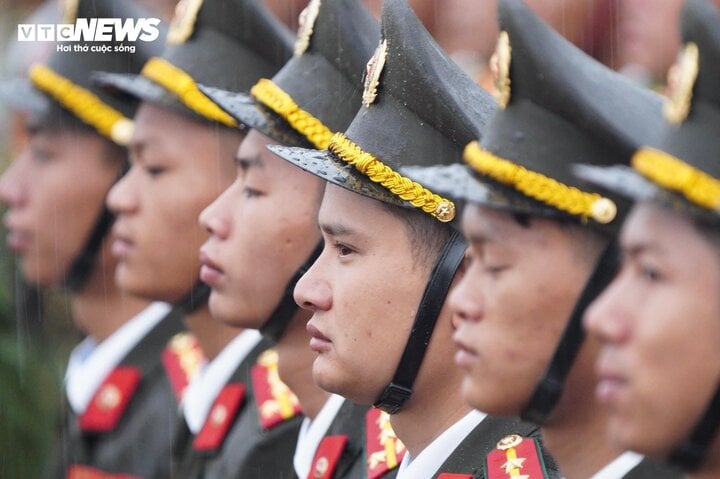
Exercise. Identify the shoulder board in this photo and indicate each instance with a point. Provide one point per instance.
(220, 418)
(111, 399)
(327, 457)
(78, 471)
(182, 358)
(515, 457)
(275, 402)
(383, 448)
(449, 475)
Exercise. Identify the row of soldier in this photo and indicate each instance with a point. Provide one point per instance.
(214, 201)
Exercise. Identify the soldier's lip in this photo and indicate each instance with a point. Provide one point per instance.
(18, 241)
(465, 354)
(318, 341)
(611, 382)
(121, 247)
(210, 272)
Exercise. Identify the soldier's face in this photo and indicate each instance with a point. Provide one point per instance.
(54, 193)
(262, 229)
(659, 322)
(179, 166)
(364, 291)
(512, 305)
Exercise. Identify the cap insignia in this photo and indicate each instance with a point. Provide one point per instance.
(500, 66)
(183, 22)
(372, 73)
(681, 80)
(306, 22)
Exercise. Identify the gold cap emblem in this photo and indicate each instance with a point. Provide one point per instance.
(603, 211)
(306, 22)
(109, 397)
(500, 66)
(122, 131)
(372, 73)
(681, 81)
(508, 442)
(183, 22)
(445, 211)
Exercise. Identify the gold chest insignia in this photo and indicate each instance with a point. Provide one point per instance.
(306, 22)
(500, 66)
(372, 73)
(183, 22)
(681, 81)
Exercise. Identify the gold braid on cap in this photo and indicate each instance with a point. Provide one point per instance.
(674, 174)
(183, 86)
(540, 187)
(273, 97)
(378, 172)
(83, 103)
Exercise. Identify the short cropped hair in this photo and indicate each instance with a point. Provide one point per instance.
(426, 235)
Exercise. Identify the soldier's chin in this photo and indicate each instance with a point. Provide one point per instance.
(334, 380)
(227, 309)
(34, 274)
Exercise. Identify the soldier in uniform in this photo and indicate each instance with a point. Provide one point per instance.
(377, 290)
(542, 242)
(119, 402)
(658, 320)
(259, 247)
(182, 158)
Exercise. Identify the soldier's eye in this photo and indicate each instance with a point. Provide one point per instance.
(154, 171)
(250, 192)
(343, 250)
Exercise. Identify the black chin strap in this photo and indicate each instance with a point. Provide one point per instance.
(196, 297)
(83, 264)
(691, 453)
(550, 387)
(400, 389)
(275, 327)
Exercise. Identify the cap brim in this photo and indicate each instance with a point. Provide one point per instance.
(243, 108)
(136, 86)
(461, 184)
(619, 179)
(20, 94)
(630, 184)
(326, 166)
(455, 181)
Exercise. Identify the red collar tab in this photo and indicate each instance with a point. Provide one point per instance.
(220, 418)
(110, 400)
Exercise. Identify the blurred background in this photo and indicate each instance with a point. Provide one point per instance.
(640, 38)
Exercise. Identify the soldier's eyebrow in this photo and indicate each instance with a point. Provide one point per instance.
(478, 238)
(245, 163)
(335, 229)
(635, 249)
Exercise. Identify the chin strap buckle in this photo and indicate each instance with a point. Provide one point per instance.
(393, 398)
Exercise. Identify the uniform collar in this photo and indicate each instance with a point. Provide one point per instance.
(430, 459)
(206, 385)
(91, 362)
(619, 467)
(312, 432)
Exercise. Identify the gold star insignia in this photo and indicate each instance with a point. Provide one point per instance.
(511, 464)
